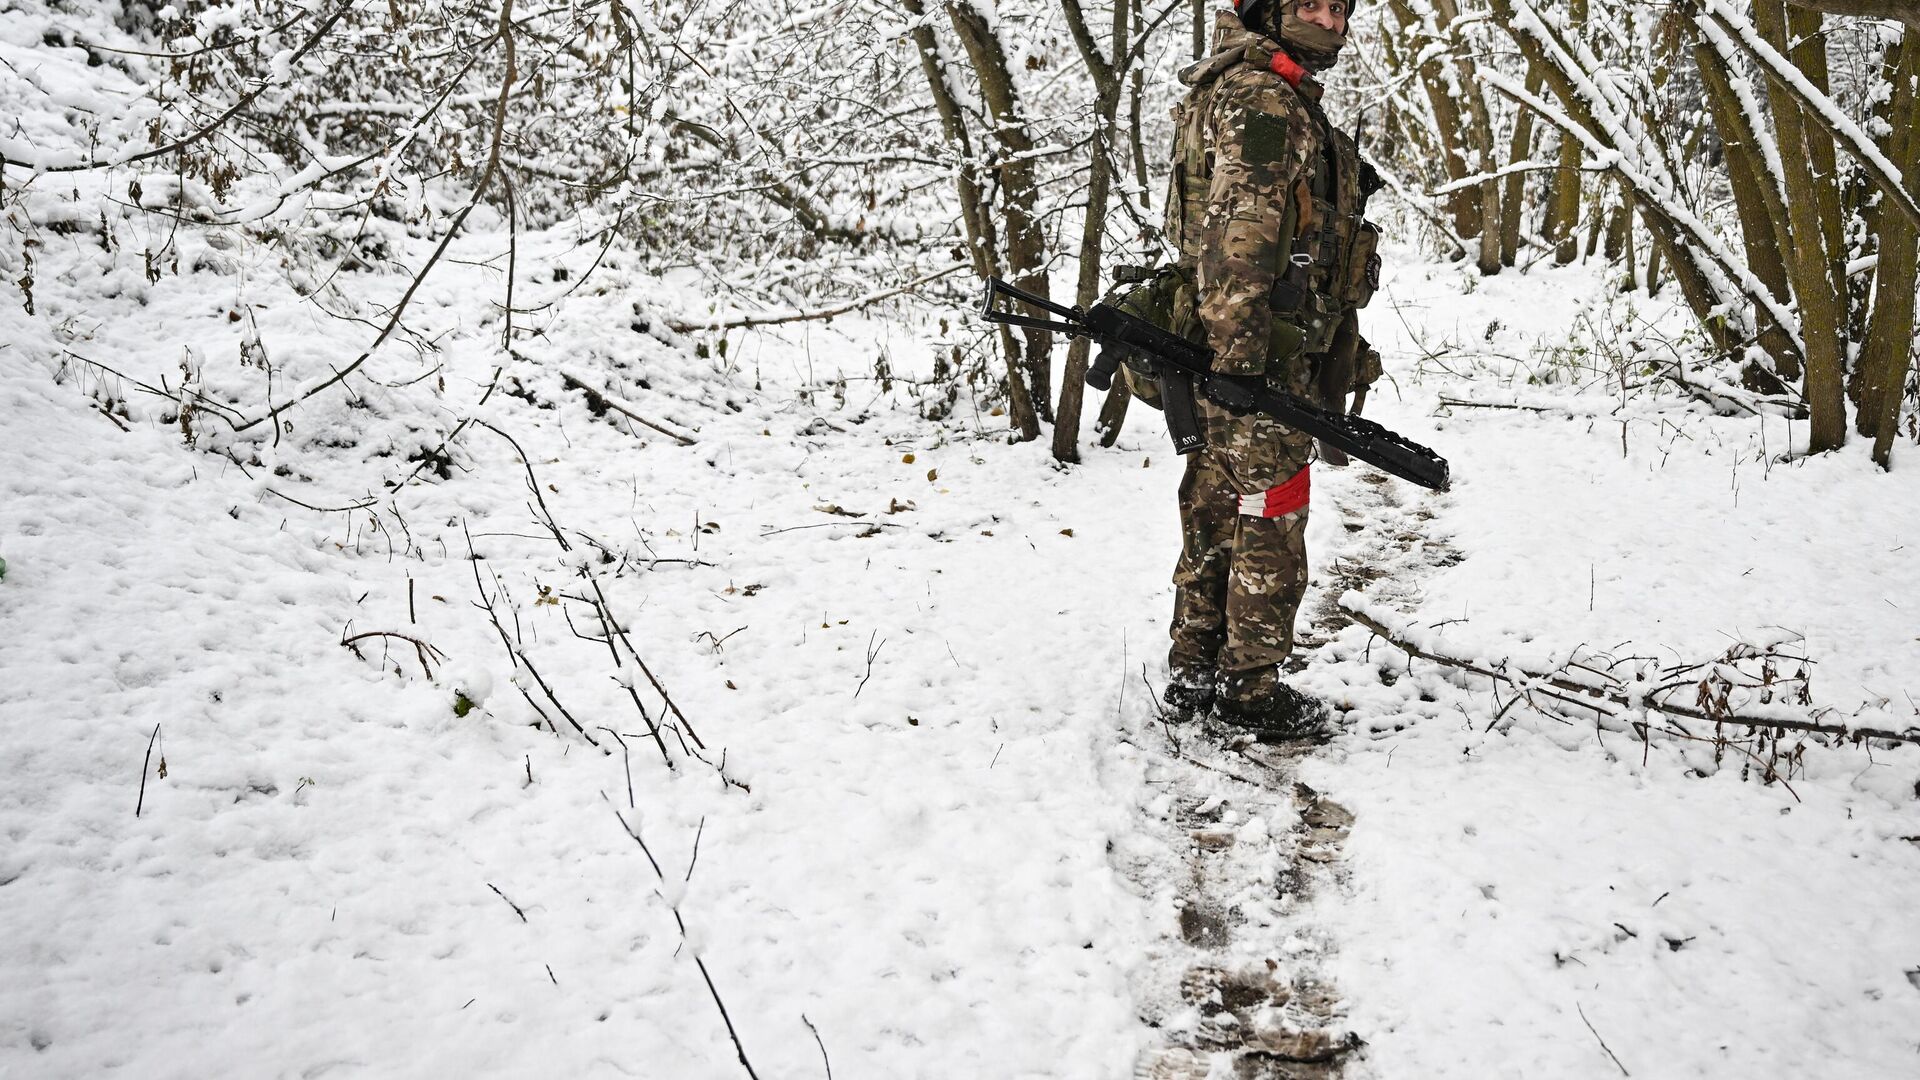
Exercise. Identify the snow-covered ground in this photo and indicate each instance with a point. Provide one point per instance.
(914, 656)
(1504, 884)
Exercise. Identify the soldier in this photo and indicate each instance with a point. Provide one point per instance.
(1266, 208)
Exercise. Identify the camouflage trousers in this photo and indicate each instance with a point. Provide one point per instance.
(1240, 578)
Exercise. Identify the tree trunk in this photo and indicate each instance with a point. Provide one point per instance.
(1619, 234)
(1480, 138)
(1563, 217)
(1563, 211)
(1810, 260)
(1449, 123)
(1888, 350)
(1513, 200)
(975, 220)
(1106, 81)
(1757, 199)
(1113, 408)
(1026, 245)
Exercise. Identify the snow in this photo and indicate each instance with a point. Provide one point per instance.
(920, 868)
(1503, 882)
(935, 721)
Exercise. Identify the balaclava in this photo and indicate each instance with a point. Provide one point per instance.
(1315, 47)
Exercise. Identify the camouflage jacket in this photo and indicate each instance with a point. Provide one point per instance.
(1267, 208)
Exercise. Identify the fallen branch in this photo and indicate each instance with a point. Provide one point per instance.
(599, 403)
(1605, 695)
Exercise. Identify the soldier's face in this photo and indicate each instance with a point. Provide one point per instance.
(1325, 14)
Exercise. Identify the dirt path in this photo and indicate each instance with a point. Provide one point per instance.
(1243, 992)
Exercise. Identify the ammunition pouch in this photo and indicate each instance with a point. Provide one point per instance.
(1360, 278)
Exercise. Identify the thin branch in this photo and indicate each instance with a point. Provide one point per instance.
(1598, 1039)
(479, 191)
(683, 326)
(144, 764)
(510, 903)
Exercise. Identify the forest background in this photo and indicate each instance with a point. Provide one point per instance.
(1750, 157)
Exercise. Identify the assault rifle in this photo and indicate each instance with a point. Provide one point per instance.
(1181, 369)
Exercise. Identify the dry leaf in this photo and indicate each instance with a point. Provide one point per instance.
(1068, 533)
(932, 475)
(163, 768)
(730, 685)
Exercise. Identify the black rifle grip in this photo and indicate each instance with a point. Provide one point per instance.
(1183, 419)
(1105, 363)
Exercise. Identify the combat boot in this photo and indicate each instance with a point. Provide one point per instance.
(1189, 693)
(1259, 700)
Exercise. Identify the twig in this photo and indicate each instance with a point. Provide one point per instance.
(1598, 1039)
(1166, 723)
(533, 484)
(694, 860)
(698, 961)
(1464, 403)
(510, 903)
(872, 653)
(621, 632)
(828, 524)
(627, 760)
(147, 761)
(516, 653)
(422, 649)
(821, 1043)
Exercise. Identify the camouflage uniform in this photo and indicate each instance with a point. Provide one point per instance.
(1266, 210)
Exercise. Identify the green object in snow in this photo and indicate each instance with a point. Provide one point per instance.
(3, 569)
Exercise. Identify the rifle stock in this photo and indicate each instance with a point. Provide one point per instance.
(1183, 369)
